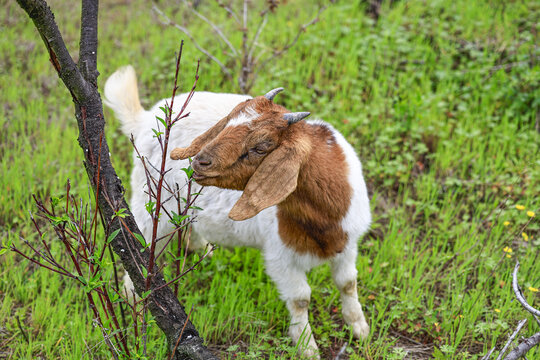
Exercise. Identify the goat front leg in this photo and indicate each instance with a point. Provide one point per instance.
(344, 273)
(294, 290)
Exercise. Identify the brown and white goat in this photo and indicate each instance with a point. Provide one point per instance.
(302, 199)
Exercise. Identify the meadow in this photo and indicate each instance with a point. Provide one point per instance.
(440, 100)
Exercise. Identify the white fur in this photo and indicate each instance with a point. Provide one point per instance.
(244, 117)
(286, 267)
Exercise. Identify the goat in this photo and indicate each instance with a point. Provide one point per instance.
(295, 188)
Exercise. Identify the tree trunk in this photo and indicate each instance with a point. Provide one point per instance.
(81, 81)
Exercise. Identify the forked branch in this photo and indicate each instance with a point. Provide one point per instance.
(81, 81)
(526, 344)
(243, 61)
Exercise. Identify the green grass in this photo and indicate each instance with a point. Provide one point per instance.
(440, 100)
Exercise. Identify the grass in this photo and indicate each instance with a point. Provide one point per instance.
(440, 100)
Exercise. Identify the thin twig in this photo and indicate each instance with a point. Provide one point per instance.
(23, 332)
(292, 43)
(230, 11)
(217, 30)
(511, 338)
(188, 270)
(181, 333)
(519, 295)
(488, 355)
(261, 26)
(169, 22)
(107, 339)
(341, 351)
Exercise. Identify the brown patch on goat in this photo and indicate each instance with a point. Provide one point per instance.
(310, 218)
(276, 176)
(273, 180)
(299, 306)
(261, 105)
(349, 288)
(303, 171)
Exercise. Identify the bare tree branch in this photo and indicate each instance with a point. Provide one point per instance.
(67, 70)
(488, 355)
(261, 26)
(164, 306)
(526, 344)
(511, 338)
(230, 11)
(280, 52)
(519, 295)
(246, 64)
(524, 347)
(89, 41)
(217, 30)
(169, 22)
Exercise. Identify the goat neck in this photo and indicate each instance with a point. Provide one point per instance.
(310, 217)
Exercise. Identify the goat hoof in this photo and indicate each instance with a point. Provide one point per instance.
(360, 330)
(310, 353)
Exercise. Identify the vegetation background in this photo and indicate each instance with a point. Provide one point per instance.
(439, 98)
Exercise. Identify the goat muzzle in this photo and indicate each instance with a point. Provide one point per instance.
(201, 161)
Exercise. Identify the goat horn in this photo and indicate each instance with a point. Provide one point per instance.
(295, 117)
(270, 95)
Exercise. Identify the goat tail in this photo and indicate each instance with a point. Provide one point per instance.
(122, 96)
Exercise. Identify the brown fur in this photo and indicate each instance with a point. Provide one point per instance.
(310, 218)
(349, 288)
(299, 306)
(301, 169)
(260, 104)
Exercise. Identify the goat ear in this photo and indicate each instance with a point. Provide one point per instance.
(199, 142)
(274, 180)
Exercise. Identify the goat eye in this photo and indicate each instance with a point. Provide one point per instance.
(258, 150)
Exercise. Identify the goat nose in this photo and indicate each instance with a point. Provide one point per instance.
(202, 160)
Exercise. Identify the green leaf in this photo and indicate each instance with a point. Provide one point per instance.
(96, 277)
(177, 218)
(162, 121)
(188, 171)
(6, 243)
(113, 296)
(112, 236)
(144, 272)
(145, 294)
(58, 220)
(141, 240)
(121, 213)
(150, 207)
(157, 133)
(3, 251)
(177, 258)
(55, 201)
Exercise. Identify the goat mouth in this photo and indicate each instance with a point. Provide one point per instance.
(198, 177)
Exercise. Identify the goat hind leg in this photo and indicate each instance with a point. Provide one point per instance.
(344, 273)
